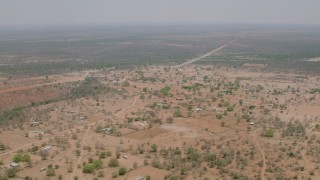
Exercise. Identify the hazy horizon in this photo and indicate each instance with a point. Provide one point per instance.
(125, 12)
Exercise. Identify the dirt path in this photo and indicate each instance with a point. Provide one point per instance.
(78, 172)
(128, 107)
(263, 169)
(23, 146)
(28, 87)
(209, 53)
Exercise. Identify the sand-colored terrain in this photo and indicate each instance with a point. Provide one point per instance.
(187, 122)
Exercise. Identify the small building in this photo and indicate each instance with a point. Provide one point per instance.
(139, 178)
(115, 81)
(106, 130)
(15, 165)
(43, 169)
(34, 123)
(197, 109)
(82, 117)
(38, 132)
(46, 148)
(251, 123)
(214, 109)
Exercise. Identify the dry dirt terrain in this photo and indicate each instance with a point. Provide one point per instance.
(161, 122)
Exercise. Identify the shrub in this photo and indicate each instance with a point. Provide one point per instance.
(114, 174)
(11, 172)
(50, 171)
(230, 108)
(97, 164)
(268, 133)
(122, 171)
(165, 91)
(34, 148)
(177, 113)
(100, 174)
(113, 163)
(125, 84)
(2, 146)
(154, 148)
(88, 168)
(109, 153)
(219, 116)
(102, 155)
(170, 119)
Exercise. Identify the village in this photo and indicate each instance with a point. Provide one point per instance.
(169, 122)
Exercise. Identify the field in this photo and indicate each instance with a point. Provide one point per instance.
(160, 103)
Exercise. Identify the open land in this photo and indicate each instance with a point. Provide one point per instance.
(205, 105)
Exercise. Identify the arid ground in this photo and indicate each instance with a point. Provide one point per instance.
(162, 122)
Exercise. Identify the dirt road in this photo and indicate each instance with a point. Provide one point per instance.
(263, 169)
(23, 146)
(209, 53)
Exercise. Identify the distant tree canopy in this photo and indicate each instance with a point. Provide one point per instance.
(15, 114)
(165, 91)
(90, 86)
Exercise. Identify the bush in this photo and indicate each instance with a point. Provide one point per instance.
(165, 91)
(268, 133)
(169, 119)
(34, 148)
(2, 146)
(122, 171)
(109, 153)
(11, 172)
(21, 158)
(114, 174)
(113, 163)
(97, 164)
(102, 155)
(177, 113)
(100, 174)
(50, 171)
(125, 84)
(230, 108)
(154, 148)
(17, 158)
(88, 168)
(219, 116)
